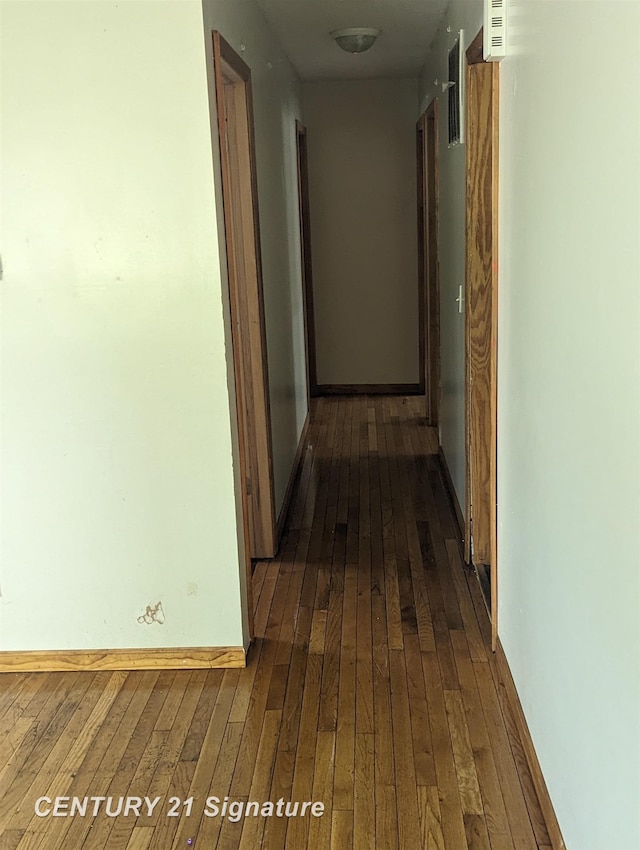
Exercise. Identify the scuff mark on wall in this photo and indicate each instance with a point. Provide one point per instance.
(153, 614)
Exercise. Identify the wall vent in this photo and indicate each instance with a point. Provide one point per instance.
(455, 87)
(495, 30)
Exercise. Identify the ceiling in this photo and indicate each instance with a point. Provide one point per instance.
(303, 27)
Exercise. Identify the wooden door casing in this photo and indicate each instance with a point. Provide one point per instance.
(242, 236)
(481, 306)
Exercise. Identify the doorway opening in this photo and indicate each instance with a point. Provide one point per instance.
(428, 264)
(302, 156)
(242, 236)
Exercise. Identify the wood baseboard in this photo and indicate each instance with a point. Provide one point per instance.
(448, 480)
(295, 471)
(513, 705)
(56, 661)
(368, 389)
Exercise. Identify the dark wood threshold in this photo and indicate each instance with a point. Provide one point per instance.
(368, 389)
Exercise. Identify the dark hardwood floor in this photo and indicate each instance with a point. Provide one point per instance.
(370, 687)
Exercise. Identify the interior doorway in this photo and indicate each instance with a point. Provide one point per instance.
(428, 265)
(305, 248)
(481, 320)
(242, 234)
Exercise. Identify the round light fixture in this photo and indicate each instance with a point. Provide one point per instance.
(355, 39)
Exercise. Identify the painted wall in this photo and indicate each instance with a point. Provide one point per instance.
(569, 402)
(276, 100)
(465, 15)
(362, 186)
(569, 393)
(117, 477)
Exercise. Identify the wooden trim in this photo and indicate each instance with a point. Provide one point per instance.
(422, 251)
(467, 364)
(174, 658)
(222, 63)
(432, 171)
(295, 472)
(453, 496)
(369, 389)
(481, 322)
(305, 249)
(493, 458)
(229, 55)
(242, 235)
(509, 695)
(475, 53)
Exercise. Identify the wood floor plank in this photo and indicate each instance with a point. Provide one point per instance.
(383, 741)
(493, 803)
(19, 695)
(216, 684)
(403, 749)
(476, 831)
(346, 719)
(14, 684)
(393, 605)
(452, 818)
(140, 838)
(341, 829)
(526, 780)
(516, 808)
(364, 651)
(364, 806)
(470, 798)
(430, 818)
(209, 828)
(353, 516)
(200, 778)
(304, 676)
(328, 710)
(324, 762)
(421, 734)
(253, 827)
(387, 817)
(302, 786)
(375, 507)
(10, 838)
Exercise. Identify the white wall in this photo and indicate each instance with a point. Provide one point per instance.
(117, 479)
(362, 186)
(569, 404)
(466, 15)
(276, 100)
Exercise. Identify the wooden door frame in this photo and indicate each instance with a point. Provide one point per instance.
(428, 262)
(302, 159)
(481, 305)
(242, 236)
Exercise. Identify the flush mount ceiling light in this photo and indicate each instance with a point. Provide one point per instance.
(355, 39)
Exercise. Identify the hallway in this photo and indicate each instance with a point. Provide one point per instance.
(370, 686)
